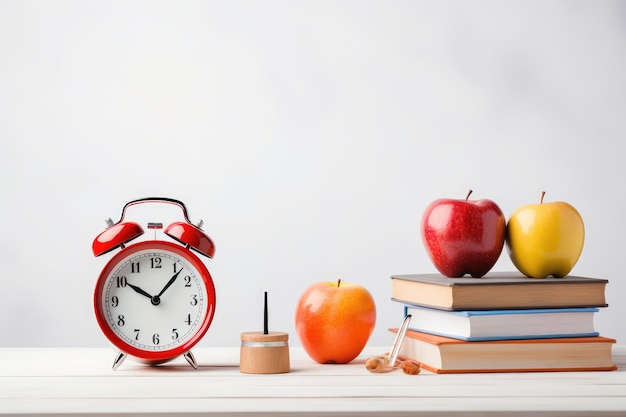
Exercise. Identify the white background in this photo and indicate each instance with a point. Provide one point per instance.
(308, 135)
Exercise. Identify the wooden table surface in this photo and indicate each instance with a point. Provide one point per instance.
(62, 381)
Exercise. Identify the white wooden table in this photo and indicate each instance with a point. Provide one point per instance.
(49, 381)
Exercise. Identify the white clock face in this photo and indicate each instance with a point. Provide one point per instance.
(154, 300)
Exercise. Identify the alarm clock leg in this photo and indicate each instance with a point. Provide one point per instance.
(191, 359)
(118, 360)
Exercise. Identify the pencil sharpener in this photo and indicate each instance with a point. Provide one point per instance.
(264, 353)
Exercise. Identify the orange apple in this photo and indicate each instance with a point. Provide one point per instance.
(334, 320)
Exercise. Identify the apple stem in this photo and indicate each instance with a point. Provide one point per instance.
(468, 194)
(338, 282)
(542, 194)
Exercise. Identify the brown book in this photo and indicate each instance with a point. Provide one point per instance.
(446, 355)
(503, 290)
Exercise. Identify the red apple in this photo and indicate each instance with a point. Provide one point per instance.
(334, 320)
(463, 236)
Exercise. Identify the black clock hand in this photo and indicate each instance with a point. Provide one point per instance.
(139, 290)
(169, 283)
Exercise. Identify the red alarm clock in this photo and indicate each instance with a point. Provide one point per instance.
(155, 299)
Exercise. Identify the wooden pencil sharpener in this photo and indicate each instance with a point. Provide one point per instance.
(264, 353)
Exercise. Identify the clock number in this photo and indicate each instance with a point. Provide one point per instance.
(115, 301)
(155, 338)
(134, 267)
(194, 299)
(136, 334)
(155, 263)
(188, 319)
(187, 281)
(120, 320)
(175, 268)
(121, 282)
(174, 334)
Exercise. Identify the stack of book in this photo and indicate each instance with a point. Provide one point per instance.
(503, 322)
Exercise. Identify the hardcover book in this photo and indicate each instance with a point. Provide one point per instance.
(480, 325)
(447, 355)
(494, 291)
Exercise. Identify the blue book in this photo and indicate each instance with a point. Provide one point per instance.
(483, 325)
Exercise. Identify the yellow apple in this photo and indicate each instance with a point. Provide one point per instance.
(545, 239)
